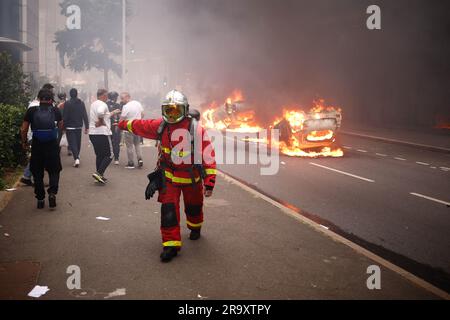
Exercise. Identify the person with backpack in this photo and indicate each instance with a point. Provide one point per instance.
(186, 165)
(75, 116)
(45, 121)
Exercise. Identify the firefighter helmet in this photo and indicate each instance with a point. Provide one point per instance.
(175, 107)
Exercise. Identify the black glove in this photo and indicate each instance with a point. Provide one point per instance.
(155, 184)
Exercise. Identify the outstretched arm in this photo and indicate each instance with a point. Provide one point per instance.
(144, 128)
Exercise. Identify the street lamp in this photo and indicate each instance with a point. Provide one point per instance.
(124, 44)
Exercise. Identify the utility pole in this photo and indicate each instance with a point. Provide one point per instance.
(124, 44)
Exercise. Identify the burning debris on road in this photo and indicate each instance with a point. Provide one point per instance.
(302, 134)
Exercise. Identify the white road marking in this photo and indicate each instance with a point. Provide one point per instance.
(423, 163)
(381, 155)
(348, 148)
(399, 159)
(434, 168)
(332, 235)
(363, 151)
(342, 172)
(445, 169)
(430, 198)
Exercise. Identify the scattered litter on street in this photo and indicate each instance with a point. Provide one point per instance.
(11, 190)
(117, 293)
(103, 219)
(38, 292)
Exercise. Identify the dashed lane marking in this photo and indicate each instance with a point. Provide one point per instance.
(422, 163)
(399, 159)
(342, 172)
(430, 198)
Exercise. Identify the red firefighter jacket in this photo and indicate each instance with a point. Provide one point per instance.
(177, 156)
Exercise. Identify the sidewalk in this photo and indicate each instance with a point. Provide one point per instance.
(433, 139)
(251, 249)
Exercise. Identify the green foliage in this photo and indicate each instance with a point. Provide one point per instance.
(14, 84)
(11, 153)
(98, 41)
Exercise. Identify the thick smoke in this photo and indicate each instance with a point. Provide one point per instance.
(281, 53)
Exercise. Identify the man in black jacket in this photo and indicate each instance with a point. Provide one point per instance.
(116, 132)
(74, 116)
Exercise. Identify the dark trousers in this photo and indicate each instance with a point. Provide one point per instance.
(45, 157)
(102, 147)
(74, 140)
(116, 138)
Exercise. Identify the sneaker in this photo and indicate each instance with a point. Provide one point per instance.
(140, 163)
(41, 204)
(195, 235)
(116, 162)
(130, 165)
(77, 163)
(27, 182)
(52, 201)
(99, 178)
(168, 254)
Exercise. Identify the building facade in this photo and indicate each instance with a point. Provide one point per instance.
(19, 33)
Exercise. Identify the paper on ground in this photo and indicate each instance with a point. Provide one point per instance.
(103, 219)
(38, 292)
(117, 293)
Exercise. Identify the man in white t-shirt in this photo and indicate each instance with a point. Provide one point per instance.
(132, 110)
(100, 134)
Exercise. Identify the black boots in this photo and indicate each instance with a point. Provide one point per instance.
(168, 254)
(195, 235)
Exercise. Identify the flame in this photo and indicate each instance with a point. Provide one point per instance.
(240, 122)
(320, 135)
(236, 96)
(297, 152)
(296, 120)
(243, 122)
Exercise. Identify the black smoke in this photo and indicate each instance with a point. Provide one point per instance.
(292, 52)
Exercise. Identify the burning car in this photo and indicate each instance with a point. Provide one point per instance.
(234, 115)
(311, 134)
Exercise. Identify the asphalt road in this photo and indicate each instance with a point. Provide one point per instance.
(250, 249)
(369, 194)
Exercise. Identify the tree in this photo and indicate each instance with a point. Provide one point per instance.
(14, 84)
(98, 40)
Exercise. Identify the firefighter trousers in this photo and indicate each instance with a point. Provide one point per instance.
(170, 211)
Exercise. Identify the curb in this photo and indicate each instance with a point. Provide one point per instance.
(6, 197)
(399, 142)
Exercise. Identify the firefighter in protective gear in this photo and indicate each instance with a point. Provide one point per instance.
(187, 165)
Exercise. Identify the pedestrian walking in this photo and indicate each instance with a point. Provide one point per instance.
(75, 116)
(45, 120)
(100, 134)
(132, 110)
(116, 132)
(27, 178)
